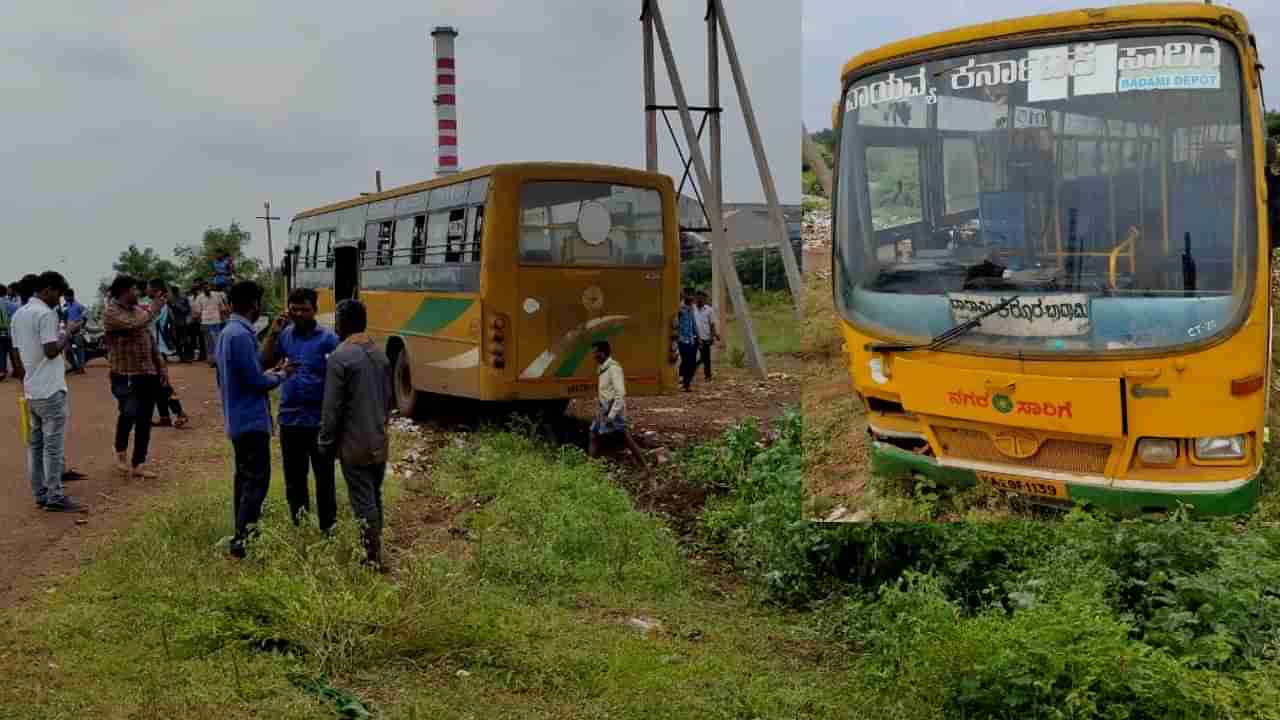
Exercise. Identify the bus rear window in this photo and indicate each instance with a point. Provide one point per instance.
(590, 223)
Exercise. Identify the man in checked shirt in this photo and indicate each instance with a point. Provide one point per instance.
(137, 371)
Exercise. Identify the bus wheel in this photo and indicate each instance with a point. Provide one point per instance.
(406, 397)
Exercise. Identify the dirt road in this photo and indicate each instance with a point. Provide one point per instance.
(36, 544)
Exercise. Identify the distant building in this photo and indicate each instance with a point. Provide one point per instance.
(747, 225)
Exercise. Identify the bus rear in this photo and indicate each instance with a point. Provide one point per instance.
(595, 258)
(1050, 257)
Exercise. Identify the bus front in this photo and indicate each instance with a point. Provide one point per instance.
(1049, 257)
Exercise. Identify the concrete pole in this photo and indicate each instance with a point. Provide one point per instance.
(715, 193)
(819, 164)
(650, 94)
(446, 100)
(741, 310)
(762, 164)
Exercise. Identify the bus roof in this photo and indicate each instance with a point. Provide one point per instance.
(1091, 17)
(555, 170)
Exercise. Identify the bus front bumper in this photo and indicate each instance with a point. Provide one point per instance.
(894, 462)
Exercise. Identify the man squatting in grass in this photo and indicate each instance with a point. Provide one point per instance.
(297, 336)
(245, 391)
(611, 412)
(355, 416)
(138, 372)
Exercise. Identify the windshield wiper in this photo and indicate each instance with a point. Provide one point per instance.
(944, 337)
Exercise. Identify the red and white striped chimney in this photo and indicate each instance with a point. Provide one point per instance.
(446, 103)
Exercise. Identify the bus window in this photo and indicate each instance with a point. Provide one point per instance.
(590, 223)
(477, 226)
(437, 232)
(328, 248)
(402, 245)
(960, 171)
(419, 239)
(894, 177)
(456, 236)
(378, 241)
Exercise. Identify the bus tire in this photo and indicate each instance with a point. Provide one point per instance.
(408, 400)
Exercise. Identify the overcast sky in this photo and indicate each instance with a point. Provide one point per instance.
(146, 122)
(833, 33)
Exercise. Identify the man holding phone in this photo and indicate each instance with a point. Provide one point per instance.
(138, 372)
(297, 338)
(246, 408)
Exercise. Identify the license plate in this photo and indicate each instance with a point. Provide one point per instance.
(1055, 489)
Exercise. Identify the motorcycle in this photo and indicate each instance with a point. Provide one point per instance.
(93, 339)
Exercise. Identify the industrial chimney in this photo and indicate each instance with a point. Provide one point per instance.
(446, 103)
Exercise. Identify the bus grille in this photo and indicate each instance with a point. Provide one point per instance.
(1053, 454)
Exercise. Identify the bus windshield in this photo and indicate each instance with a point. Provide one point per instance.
(590, 223)
(1104, 182)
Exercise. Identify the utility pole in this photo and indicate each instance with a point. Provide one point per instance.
(271, 258)
(721, 253)
(715, 193)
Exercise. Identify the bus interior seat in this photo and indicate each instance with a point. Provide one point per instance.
(537, 255)
(1002, 220)
(654, 259)
(1203, 205)
(633, 259)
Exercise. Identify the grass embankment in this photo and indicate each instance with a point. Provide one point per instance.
(773, 317)
(538, 612)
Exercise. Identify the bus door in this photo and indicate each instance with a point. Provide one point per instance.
(591, 267)
(346, 272)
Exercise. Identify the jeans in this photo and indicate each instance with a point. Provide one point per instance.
(75, 352)
(136, 395)
(167, 402)
(45, 460)
(364, 488)
(704, 358)
(6, 344)
(688, 362)
(252, 480)
(298, 450)
(211, 333)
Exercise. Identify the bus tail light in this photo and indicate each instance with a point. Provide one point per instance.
(1246, 386)
(498, 341)
(1158, 451)
(1221, 447)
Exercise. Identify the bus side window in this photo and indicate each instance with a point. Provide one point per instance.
(419, 239)
(456, 238)
(437, 234)
(328, 250)
(477, 225)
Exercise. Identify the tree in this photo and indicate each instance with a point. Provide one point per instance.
(142, 264)
(1273, 123)
(196, 261)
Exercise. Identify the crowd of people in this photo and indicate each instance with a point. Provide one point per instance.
(334, 409)
(335, 401)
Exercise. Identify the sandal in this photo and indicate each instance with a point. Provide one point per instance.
(181, 422)
(143, 474)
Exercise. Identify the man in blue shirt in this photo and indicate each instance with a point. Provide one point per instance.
(244, 389)
(9, 305)
(75, 313)
(687, 340)
(299, 338)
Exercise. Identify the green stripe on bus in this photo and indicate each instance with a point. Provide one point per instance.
(436, 313)
(570, 364)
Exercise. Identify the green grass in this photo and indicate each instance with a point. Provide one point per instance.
(524, 619)
(773, 318)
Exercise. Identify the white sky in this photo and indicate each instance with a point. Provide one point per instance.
(833, 32)
(146, 122)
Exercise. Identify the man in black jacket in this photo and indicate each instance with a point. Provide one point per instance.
(357, 410)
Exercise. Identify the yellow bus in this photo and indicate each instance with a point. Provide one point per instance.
(491, 284)
(1050, 256)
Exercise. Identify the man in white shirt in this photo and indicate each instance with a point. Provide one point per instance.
(40, 345)
(611, 411)
(704, 319)
(209, 306)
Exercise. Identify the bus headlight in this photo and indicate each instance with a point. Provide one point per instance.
(1158, 451)
(1220, 447)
